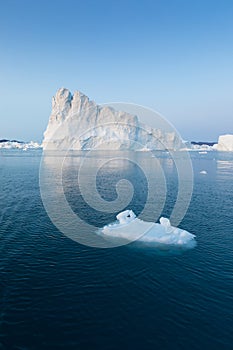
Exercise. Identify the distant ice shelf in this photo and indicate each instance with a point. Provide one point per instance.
(8, 144)
(224, 144)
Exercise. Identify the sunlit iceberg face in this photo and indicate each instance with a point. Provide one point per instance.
(125, 217)
(130, 228)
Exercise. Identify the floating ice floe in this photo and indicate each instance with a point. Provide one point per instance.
(19, 145)
(203, 172)
(130, 228)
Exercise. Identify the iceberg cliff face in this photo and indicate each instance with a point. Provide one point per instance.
(76, 123)
(225, 143)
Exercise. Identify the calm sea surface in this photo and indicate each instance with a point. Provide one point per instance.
(58, 294)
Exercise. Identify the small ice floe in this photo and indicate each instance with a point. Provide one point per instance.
(203, 172)
(202, 152)
(130, 228)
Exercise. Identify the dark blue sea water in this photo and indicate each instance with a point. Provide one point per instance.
(58, 294)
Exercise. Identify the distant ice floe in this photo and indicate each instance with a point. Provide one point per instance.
(225, 143)
(203, 172)
(130, 228)
(200, 148)
(19, 145)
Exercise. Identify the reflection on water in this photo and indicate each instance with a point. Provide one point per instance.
(85, 190)
(96, 186)
(225, 166)
(57, 294)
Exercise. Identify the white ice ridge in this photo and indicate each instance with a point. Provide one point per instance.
(131, 228)
(78, 123)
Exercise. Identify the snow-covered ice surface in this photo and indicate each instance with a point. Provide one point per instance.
(225, 143)
(19, 145)
(130, 228)
(201, 149)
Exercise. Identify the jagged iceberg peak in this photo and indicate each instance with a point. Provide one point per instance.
(78, 123)
(64, 102)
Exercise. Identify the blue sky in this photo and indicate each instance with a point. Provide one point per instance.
(173, 56)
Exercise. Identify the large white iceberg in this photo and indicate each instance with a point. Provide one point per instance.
(76, 123)
(130, 228)
(225, 143)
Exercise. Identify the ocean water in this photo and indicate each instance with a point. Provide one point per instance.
(56, 293)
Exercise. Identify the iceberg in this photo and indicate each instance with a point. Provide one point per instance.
(7, 144)
(77, 123)
(130, 228)
(201, 147)
(225, 143)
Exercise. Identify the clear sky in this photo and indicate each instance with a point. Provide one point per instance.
(173, 56)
